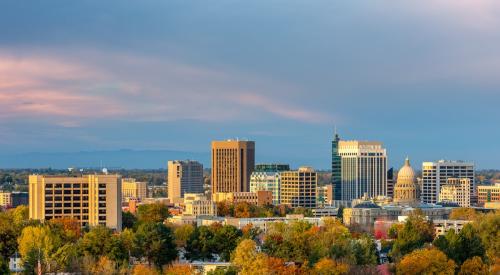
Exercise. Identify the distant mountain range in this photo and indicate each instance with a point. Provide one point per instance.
(126, 159)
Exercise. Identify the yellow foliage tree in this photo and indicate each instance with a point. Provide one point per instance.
(177, 269)
(426, 261)
(142, 269)
(327, 266)
(473, 266)
(463, 213)
(38, 240)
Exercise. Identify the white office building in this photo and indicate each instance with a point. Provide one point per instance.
(363, 169)
(436, 174)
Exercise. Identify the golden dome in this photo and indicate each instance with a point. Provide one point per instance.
(406, 190)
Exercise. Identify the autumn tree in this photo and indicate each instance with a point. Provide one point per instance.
(248, 260)
(426, 261)
(463, 213)
(177, 269)
(38, 243)
(142, 269)
(473, 266)
(155, 212)
(327, 266)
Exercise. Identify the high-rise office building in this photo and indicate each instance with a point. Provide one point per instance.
(132, 189)
(456, 190)
(390, 182)
(233, 162)
(363, 169)
(267, 177)
(336, 169)
(298, 188)
(91, 199)
(184, 177)
(435, 175)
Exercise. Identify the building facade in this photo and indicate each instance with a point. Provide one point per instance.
(184, 177)
(260, 198)
(456, 190)
(91, 199)
(363, 169)
(199, 205)
(488, 193)
(132, 189)
(13, 199)
(298, 188)
(436, 174)
(233, 162)
(267, 177)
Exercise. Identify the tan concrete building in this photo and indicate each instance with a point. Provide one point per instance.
(233, 162)
(435, 175)
(456, 190)
(184, 177)
(132, 189)
(199, 205)
(298, 188)
(488, 193)
(91, 199)
(5, 199)
(259, 198)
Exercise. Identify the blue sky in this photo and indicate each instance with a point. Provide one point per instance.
(420, 76)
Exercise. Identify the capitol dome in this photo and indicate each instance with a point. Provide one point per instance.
(406, 189)
(406, 173)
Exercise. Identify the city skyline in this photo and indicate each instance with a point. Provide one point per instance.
(170, 76)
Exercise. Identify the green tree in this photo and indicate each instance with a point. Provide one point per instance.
(128, 220)
(200, 245)
(95, 242)
(8, 235)
(225, 240)
(415, 233)
(365, 251)
(461, 246)
(487, 228)
(67, 258)
(156, 243)
(4, 266)
(182, 234)
(155, 212)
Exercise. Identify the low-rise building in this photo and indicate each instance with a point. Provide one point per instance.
(259, 198)
(456, 190)
(443, 226)
(488, 193)
(199, 205)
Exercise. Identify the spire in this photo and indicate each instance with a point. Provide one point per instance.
(335, 134)
(407, 161)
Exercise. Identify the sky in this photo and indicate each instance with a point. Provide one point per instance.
(423, 77)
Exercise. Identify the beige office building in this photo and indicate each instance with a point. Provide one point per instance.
(184, 177)
(298, 188)
(436, 174)
(456, 190)
(233, 162)
(91, 199)
(199, 205)
(5, 199)
(488, 193)
(363, 169)
(132, 189)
